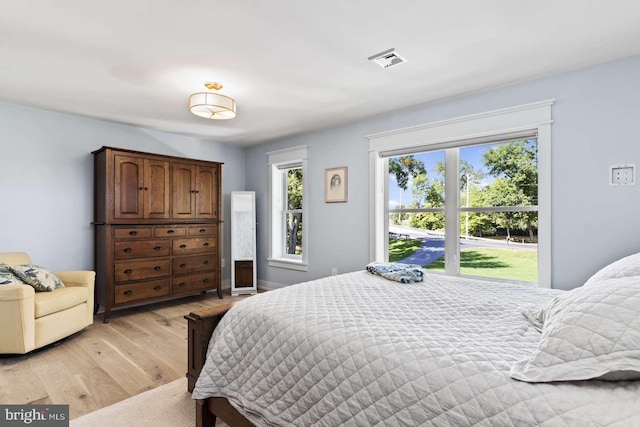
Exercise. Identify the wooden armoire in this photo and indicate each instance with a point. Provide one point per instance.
(157, 227)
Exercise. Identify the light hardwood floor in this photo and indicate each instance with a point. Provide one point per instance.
(139, 349)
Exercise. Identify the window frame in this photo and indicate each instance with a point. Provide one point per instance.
(279, 163)
(506, 123)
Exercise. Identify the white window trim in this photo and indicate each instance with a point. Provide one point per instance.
(535, 116)
(277, 159)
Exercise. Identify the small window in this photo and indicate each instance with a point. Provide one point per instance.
(288, 213)
(292, 212)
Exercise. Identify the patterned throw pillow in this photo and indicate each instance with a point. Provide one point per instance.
(403, 273)
(40, 278)
(7, 277)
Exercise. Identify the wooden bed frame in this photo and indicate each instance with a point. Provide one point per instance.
(200, 327)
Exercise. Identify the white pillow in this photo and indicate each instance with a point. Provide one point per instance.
(588, 333)
(625, 267)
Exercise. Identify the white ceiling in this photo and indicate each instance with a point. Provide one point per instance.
(292, 65)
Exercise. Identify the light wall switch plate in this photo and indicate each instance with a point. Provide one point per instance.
(623, 174)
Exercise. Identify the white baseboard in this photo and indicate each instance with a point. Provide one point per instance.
(269, 286)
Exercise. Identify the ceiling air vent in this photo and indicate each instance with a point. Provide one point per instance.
(387, 59)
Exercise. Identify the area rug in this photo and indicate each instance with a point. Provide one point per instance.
(168, 405)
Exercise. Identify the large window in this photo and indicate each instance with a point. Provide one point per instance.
(493, 196)
(471, 195)
(288, 213)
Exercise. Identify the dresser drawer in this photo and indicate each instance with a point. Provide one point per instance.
(193, 245)
(141, 291)
(170, 231)
(192, 264)
(193, 282)
(141, 249)
(133, 233)
(136, 270)
(202, 230)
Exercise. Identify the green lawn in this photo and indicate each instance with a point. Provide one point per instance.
(493, 262)
(402, 248)
(487, 262)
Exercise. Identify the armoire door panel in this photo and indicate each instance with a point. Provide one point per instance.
(206, 195)
(129, 187)
(156, 189)
(183, 182)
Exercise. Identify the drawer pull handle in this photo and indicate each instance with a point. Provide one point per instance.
(206, 280)
(128, 271)
(205, 244)
(157, 267)
(182, 284)
(128, 293)
(146, 188)
(183, 246)
(157, 248)
(171, 231)
(140, 188)
(157, 288)
(133, 233)
(183, 265)
(206, 263)
(202, 230)
(127, 250)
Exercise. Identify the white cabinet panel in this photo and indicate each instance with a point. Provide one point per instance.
(243, 243)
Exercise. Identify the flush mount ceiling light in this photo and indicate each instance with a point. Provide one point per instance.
(212, 105)
(388, 58)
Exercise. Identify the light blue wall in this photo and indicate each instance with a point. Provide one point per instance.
(46, 179)
(595, 126)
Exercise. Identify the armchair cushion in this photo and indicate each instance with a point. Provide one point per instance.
(61, 299)
(40, 278)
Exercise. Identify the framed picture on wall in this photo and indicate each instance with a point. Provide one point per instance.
(335, 185)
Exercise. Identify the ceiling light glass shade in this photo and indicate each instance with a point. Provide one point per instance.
(212, 106)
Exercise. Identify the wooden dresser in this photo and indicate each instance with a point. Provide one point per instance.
(157, 227)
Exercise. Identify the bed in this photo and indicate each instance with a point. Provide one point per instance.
(358, 349)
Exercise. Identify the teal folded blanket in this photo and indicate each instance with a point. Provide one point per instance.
(403, 273)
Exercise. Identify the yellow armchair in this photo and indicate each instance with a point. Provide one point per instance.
(32, 319)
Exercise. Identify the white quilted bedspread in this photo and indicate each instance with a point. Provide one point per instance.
(360, 350)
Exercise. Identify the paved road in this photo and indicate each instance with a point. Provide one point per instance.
(433, 247)
(431, 250)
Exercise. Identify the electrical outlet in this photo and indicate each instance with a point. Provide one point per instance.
(334, 271)
(222, 263)
(623, 174)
